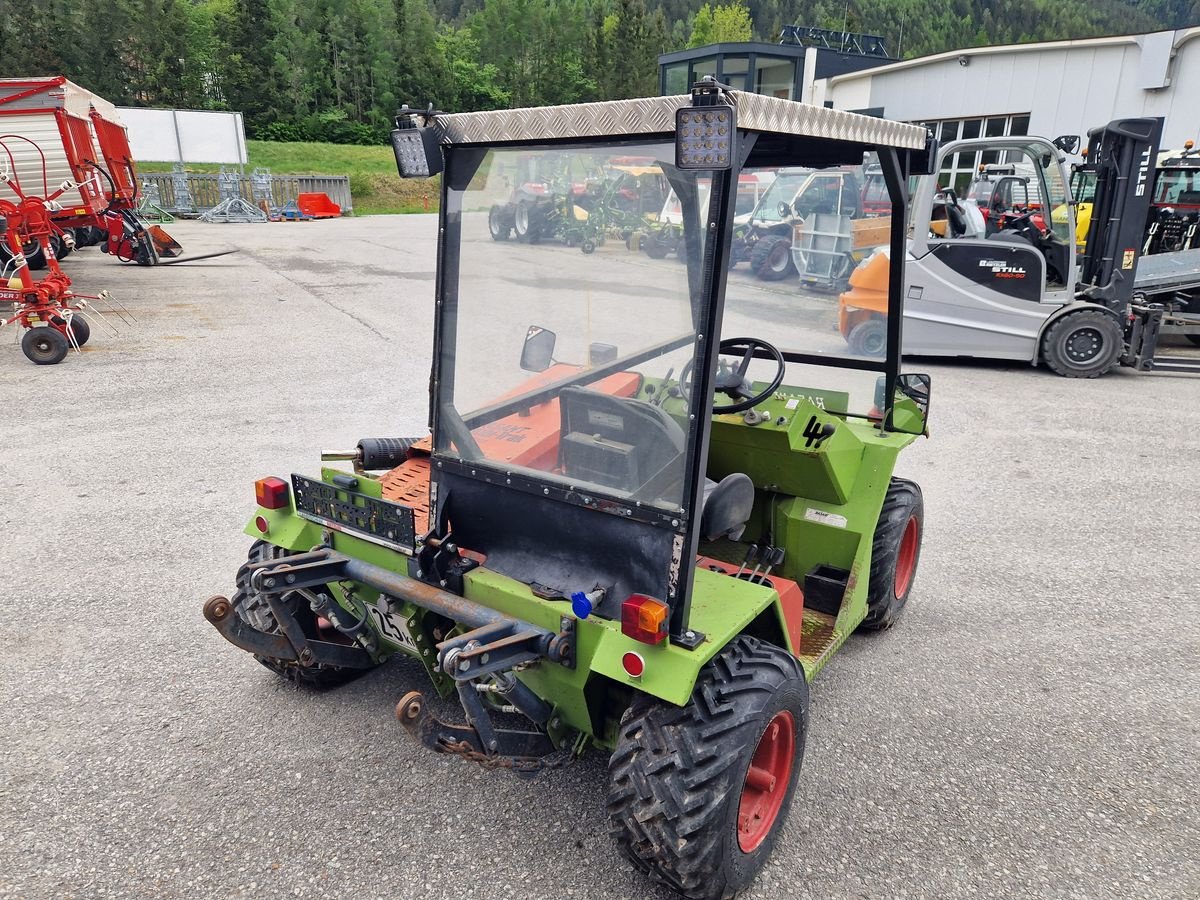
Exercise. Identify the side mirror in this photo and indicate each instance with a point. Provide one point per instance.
(538, 352)
(1067, 143)
(785, 209)
(910, 407)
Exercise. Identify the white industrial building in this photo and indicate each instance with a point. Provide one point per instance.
(1048, 88)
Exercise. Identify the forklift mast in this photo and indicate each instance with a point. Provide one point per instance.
(1123, 155)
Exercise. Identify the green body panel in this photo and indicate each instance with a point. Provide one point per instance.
(820, 499)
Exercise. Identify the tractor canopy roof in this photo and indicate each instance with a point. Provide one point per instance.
(575, 367)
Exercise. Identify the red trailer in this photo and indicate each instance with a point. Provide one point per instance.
(76, 136)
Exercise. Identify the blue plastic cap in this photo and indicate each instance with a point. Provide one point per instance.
(581, 605)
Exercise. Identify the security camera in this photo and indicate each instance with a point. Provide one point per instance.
(964, 61)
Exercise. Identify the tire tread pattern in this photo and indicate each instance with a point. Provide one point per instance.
(675, 767)
(903, 500)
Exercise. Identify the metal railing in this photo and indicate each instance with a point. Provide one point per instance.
(188, 194)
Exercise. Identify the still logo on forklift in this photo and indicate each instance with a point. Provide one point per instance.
(1001, 269)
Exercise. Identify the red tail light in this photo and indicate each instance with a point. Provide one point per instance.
(271, 493)
(645, 619)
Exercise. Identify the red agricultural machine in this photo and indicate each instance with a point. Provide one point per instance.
(74, 139)
(49, 311)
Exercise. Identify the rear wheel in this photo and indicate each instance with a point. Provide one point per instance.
(1083, 344)
(698, 794)
(771, 258)
(45, 346)
(253, 609)
(526, 222)
(655, 247)
(895, 551)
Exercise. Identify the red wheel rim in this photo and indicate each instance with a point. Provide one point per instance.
(906, 558)
(767, 781)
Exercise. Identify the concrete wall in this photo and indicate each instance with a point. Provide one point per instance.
(1067, 87)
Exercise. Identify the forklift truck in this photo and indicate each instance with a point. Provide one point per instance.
(1025, 292)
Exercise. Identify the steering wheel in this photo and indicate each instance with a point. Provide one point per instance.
(732, 381)
(948, 197)
(1024, 226)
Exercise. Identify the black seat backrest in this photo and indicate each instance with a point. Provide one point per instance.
(616, 441)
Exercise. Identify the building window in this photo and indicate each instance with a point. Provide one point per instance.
(733, 71)
(775, 77)
(959, 169)
(675, 79)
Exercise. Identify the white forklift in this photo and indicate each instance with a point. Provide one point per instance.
(1023, 292)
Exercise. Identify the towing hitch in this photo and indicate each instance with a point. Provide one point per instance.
(495, 643)
(525, 752)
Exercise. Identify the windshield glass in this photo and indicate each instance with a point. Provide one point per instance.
(800, 297)
(783, 190)
(572, 323)
(1083, 186)
(1178, 186)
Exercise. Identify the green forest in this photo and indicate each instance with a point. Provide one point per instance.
(335, 70)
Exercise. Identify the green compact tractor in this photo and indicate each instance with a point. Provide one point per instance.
(631, 528)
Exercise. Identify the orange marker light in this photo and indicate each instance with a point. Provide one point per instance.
(645, 619)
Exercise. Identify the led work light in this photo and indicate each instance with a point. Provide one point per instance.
(706, 131)
(418, 153)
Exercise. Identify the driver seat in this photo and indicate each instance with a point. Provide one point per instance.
(637, 448)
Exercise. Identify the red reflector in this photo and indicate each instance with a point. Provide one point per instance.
(261, 524)
(644, 619)
(271, 493)
(634, 664)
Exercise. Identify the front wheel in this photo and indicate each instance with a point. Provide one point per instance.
(771, 258)
(1083, 344)
(868, 338)
(698, 794)
(499, 224)
(45, 346)
(895, 552)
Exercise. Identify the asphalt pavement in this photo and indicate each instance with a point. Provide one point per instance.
(1029, 729)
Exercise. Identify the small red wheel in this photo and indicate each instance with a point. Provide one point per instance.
(906, 558)
(767, 781)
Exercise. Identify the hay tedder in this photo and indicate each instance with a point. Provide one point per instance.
(50, 312)
(73, 137)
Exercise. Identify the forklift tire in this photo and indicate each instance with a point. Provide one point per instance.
(497, 225)
(868, 338)
(1083, 344)
(895, 552)
(252, 608)
(45, 346)
(771, 258)
(698, 794)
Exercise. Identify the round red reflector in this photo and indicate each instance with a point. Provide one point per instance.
(634, 664)
(260, 523)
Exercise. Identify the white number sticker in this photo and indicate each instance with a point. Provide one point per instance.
(392, 627)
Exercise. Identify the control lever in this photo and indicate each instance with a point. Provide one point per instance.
(751, 556)
(774, 558)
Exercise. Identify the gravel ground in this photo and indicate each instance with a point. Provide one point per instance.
(1029, 730)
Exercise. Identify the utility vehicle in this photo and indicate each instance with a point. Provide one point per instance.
(632, 528)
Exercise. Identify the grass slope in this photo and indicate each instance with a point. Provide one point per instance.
(374, 184)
